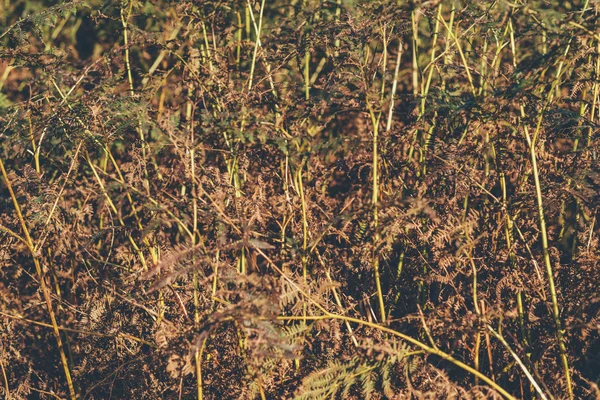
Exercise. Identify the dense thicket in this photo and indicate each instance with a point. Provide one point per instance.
(299, 199)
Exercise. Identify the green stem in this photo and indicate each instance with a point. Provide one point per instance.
(546, 254)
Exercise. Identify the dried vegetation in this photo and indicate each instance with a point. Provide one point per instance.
(299, 199)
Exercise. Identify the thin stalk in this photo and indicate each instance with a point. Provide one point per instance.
(375, 203)
(6, 385)
(508, 225)
(528, 374)
(399, 269)
(454, 37)
(476, 355)
(124, 21)
(546, 254)
(307, 74)
(206, 51)
(589, 243)
(488, 343)
(388, 125)
(447, 54)
(238, 48)
(436, 33)
(300, 190)
(384, 62)
(415, 50)
(257, 42)
(215, 276)
(300, 186)
(42, 281)
(425, 85)
(193, 238)
(375, 120)
(307, 58)
(34, 148)
(247, 11)
(531, 141)
(198, 354)
(596, 94)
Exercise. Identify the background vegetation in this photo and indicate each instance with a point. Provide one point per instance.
(299, 199)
